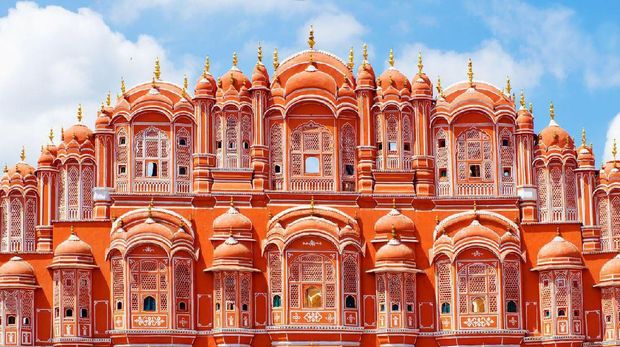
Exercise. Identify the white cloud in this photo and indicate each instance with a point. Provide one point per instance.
(335, 32)
(491, 62)
(54, 59)
(613, 132)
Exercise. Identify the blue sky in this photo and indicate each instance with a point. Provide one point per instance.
(57, 54)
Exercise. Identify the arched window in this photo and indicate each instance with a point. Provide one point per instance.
(11, 320)
(277, 301)
(441, 157)
(477, 285)
(347, 157)
(507, 155)
(350, 302)
(68, 313)
(478, 305)
(276, 145)
(312, 278)
(475, 164)
(445, 308)
(312, 156)
(313, 297)
(511, 306)
(152, 159)
(149, 304)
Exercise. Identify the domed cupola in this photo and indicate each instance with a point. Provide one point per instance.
(559, 254)
(610, 172)
(17, 273)
(20, 175)
(232, 255)
(232, 221)
(394, 221)
(260, 76)
(73, 253)
(206, 85)
(393, 83)
(585, 154)
(525, 121)
(395, 256)
(554, 137)
(233, 82)
(421, 84)
(365, 72)
(77, 139)
(610, 273)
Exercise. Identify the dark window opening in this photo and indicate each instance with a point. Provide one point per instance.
(182, 306)
(379, 145)
(382, 307)
(507, 172)
(561, 312)
(349, 301)
(244, 307)
(122, 169)
(217, 306)
(409, 308)
(576, 313)
(84, 313)
(474, 171)
(182, 170)
(26, 321)
(68, 312)
(547, 313)
(231, 145)
(277, 301)
(608, 318)
(122, 140)
(511, 306)
(56, 312)
(218, 144)
(246, 145)
(395, 307)
(119, 305)
(182, 141)
(443, 173)
(441, 143)
(11, 320)
(230, 306)
(149, 304)
(277, 169)
(445, 308)
(407, 146)
(151, 169)
(505, 142)
(349, 169)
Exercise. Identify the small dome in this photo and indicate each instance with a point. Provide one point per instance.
(79, 132)
(16, 266)
(311, 78)
(365, 76)
(346, 90)
(22, 169)
(422, 85)
(394, 79)
(233, 250)
(559, 253)
(554, 135)
(395, 251)
(610, 173)
(102, 121)
(234, 78)
(524, 117)
(260, 76)
(474, 230)
(610, 272)
(206, 85)
(73, 246)
(396, 220)
(46, 158)
(232, 220)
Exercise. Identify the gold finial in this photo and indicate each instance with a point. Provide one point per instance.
(207, 66)
(351, 63)
(614, 149)
(420, 65)
(522, 100)
(436, 220)
(62, 133)
(51, 135)
(470, 72)
(185, 83)
(22, 154)
(79, 113)
(551, 111)
(72, 229)
(583, 137)
(508, 88)
(108, 99)
(531, 108)
(259, 53)
(311, 41)
(6, 168)
(365, 52)
(393, 232)
(122, 85)
(219, 82)
(557, 231)
(235, 59)
(391, 58)
(157, 71)
(102, 107)
(232, 79)
(153, 82)
(232, 201)
(150, 208)
(394, 203)
(276, 61)
(475, 207)
(312, 204)
(439, 89)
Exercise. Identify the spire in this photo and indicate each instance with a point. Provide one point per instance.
(438, 86)
(185, 83)
(259, 54)
(51, 136)
(557, 232)
(394, 236)
(391, 58)
(312, 205)
(531, 109)
(393, 203)
(122, 85)
(79, 113)
(420, 65)
(205, 71)
(62, 133)
(614, 149)
(72, 230)
(522, 100)
(235, 60)
(311, 41)
(470, 73)
(583, 137)
(157, 70)
(351, 64)
(5, 169)
(22, 154)
(108, 99)
(508, 88)
(365, 53)
(551, 111)
(276, 61)
(232, 201)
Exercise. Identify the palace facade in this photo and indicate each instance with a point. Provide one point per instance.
(320, 206)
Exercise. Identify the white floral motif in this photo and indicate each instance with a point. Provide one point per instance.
(149, 321)
(312, 243)
(479, 322)
(313, 317)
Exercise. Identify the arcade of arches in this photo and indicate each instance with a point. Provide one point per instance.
(314, 204)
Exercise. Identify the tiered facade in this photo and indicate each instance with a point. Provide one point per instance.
(313, 207)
